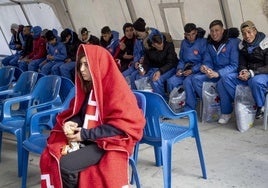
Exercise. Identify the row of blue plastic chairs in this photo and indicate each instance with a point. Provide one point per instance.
(29, 103)
(29, 113)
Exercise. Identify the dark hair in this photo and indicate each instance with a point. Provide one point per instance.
(86, 85)
(215, 22)
(126, 25)
(84, 31)
(139, 25)
(49, 35)
(189, 27)
(157, 39)
(105, 30)
(64, 34)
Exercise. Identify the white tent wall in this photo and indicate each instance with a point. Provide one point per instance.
(165, 15)
(96, 14)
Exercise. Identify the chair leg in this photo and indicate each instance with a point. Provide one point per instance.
(167, 158)
(135, 158)
(135, 174)
(158, 156)
(1, 133)
(200, 153)
(25, 157)
(265, 114)
(19, 152)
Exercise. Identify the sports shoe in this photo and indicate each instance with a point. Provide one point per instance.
(224, 118)
(259, 113)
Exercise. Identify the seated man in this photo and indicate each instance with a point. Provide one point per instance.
(109, 39)
(159, 63)
(38, 54)
(252, 71)
(221, 58)
(124, 51)
(15, 44)
(87, 38)
(56, 53)
(71, 41)
(191, 56)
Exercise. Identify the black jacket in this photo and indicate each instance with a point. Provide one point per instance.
(254, 56)
(164, 60)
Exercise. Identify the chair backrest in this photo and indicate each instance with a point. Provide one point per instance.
(141, 100)
(17, 73)
(26, 82)
(46, 89)
(156, 108)
(66, 86)
(6, 76)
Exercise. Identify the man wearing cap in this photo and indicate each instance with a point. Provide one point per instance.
(38, 54)
(252, 69)
(56, 53)
(142, 33)
(14, 44)
(87, 38)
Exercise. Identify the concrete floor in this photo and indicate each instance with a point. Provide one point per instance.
(233, 160)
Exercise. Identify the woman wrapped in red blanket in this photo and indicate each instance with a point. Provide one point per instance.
(100, 128)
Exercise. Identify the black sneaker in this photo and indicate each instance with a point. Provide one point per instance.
(259, 113)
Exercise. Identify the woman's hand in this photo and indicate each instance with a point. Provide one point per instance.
(76, 136)
(69, 127)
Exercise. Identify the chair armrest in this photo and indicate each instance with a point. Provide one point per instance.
(7, 103)
(35, 120)
(7, 92)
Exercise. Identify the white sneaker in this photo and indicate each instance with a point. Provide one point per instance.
(224, 118)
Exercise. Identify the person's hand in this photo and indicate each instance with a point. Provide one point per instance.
(126, 56)
(69, 127)
(50, 57)
(211, 73)
(187, 72)
(136, 65)
(122, 46)
(76, 137)
(244, 75)
(156, 76)
(179, 72)
(68, 60)
(203, 69)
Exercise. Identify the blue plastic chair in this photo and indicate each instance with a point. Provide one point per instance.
(24, 85)
(39, 129)
(36, 142)
(141, 100)
(162, 134)
(17, 73)
(42, 98)
(6, 77)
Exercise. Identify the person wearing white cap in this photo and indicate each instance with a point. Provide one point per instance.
(252, 69)
(15, 44)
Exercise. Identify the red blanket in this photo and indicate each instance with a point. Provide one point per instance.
(118, 107)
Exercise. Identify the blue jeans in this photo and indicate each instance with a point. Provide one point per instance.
(46, 68)
(193, 85)
(34, 64)
(11, 60)
(227, 85)
(66, 69)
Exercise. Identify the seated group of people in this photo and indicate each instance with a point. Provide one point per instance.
(143, 51)
(221, 58)
(46, 52)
